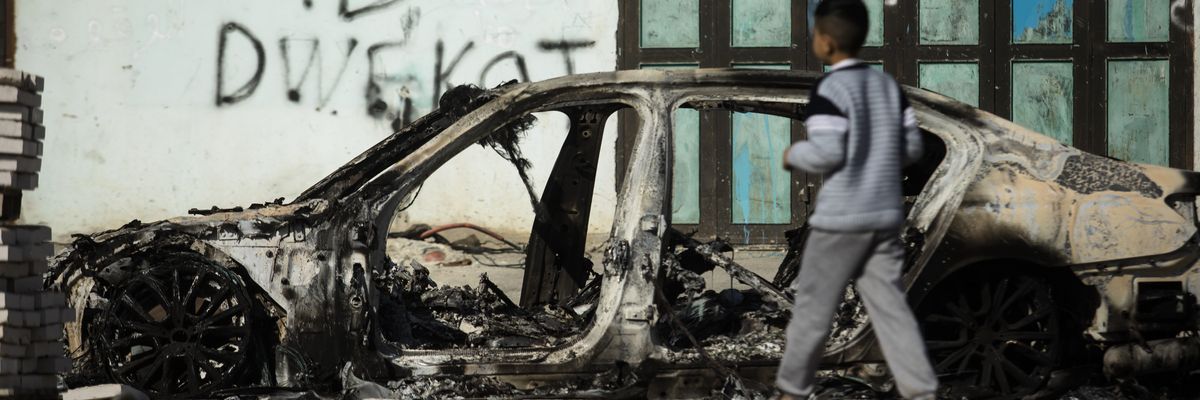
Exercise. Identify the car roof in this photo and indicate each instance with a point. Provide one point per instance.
(625, 81)
(670, 79)
(742, 78)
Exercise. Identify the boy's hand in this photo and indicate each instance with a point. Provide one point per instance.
(787, 167)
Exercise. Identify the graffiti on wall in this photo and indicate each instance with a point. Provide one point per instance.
(388, 93)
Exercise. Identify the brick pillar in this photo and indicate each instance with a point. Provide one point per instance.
(31, 319)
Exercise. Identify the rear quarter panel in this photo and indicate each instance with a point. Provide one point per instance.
(1041, 201)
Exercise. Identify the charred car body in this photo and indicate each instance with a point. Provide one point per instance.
(1023, 253)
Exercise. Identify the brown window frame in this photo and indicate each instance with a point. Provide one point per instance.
(716, 51)
(8, 34)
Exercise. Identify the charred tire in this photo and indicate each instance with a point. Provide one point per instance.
(992, 335)
(179, 328)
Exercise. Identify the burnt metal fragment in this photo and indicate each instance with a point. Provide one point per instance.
(712, 253)
(422, 315)
(1165, 355)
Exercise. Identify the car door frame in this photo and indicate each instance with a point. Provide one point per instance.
(620, 331)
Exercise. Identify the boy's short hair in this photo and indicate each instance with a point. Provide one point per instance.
(846, 21)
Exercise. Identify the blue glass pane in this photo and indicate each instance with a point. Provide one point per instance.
(1042, 21)
(762, 190)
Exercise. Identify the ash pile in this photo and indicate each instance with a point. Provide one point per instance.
(419, 314)
(31, 320)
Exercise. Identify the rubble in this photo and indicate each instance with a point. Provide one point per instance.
(450, 387)
(732, 326)
(420, 314)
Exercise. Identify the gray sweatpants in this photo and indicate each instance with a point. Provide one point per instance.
(875, 260)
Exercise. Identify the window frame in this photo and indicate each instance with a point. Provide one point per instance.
(716, 51)
(8, 34)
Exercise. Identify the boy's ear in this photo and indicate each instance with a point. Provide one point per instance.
(831, 45)
(827, 45)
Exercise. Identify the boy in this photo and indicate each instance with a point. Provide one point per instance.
(861, 133)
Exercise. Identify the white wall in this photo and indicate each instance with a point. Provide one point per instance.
(134, 129)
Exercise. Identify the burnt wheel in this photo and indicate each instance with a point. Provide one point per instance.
(992, 337)
(177, 329)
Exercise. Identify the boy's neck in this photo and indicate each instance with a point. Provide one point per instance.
(839, 57)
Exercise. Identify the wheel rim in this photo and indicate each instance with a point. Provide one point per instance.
(177, 329)
(995, 338)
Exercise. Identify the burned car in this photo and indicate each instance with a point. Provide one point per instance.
(1025, 256)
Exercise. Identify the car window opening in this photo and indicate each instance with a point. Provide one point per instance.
(746, 322)
(463, 286)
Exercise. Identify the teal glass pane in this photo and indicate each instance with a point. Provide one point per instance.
(670, 23)
(1138, 111)
(959, 81)
(685, 168)
(761, 23)
(762, 190)
(875, 34)
(1042, 21)
(877, 65)
(1139, 20)
(949, 21)
(1042, 98)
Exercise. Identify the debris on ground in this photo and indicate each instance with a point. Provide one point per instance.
(450, 387)
(427, 252)
(732, 325)
(420, 314)
(429, 245)
(1163, 387)
(841, 388)
(735, 388)
(354, 388)
(110, 391)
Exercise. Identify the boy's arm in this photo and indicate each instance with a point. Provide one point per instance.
(825, 149)
(913, 146)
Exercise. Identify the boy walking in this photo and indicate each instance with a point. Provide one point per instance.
(861, 132)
